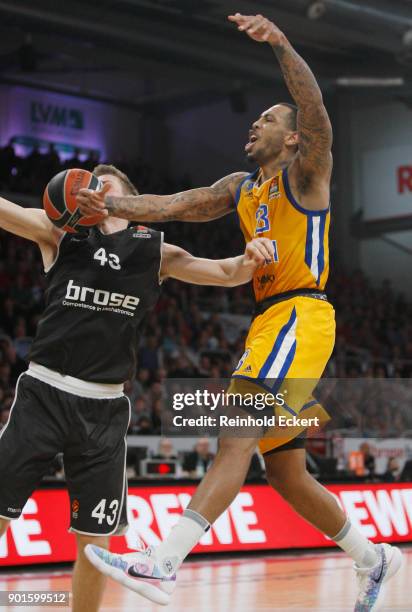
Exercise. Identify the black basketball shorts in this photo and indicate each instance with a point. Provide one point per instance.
(91, 434)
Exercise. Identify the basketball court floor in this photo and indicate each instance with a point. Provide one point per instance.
(306, 582)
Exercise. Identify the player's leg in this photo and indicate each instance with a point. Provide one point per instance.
(375, 563)
(29, 442)
(88, 582)
(314, 338)
(4, 524)
(224, 478)
(286, 472)
(95, 460)
(214, 494)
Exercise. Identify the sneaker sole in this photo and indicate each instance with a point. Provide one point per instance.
(142, 588)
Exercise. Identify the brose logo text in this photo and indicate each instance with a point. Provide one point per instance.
(100, 298)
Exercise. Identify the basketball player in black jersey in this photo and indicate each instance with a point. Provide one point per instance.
(101, 283)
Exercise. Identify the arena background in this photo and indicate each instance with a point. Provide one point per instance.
(166, 90)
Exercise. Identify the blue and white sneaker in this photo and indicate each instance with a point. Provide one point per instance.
(371, 580)
(137, 571)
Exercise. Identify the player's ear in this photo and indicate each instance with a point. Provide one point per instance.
(292, 139)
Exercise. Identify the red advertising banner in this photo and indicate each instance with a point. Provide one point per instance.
(257, 519)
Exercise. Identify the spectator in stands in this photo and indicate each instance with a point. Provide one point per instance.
(148, 354)
(50, 164)
(165, 450)
(5, 374)
(368, 459)
(74, 162)
(393, 470)
(8, 163)
(8, 315)
(91, 161)
(9, 353)
(157, 408)
(4, 417)
(144, 426)
(197, 462)
(133, 389)
(138, 410)
(143, 376)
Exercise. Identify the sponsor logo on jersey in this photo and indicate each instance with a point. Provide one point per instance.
(99, 299)
(265, 279)
(242, 359)
(274, 189)
(142, 232)
(14, 510)
(249, 189)
(75, 508)
(142, 235)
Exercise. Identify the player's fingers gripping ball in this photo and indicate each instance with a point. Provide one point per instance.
(59, 199)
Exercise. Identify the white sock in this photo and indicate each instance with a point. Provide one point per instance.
(356, 545)
(171, 553)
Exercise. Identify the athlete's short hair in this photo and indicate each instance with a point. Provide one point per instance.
(292, 116)
(127, 184)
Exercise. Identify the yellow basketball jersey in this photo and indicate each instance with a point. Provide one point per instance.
(300, 237)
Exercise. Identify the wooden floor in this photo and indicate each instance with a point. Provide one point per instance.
(323, 582)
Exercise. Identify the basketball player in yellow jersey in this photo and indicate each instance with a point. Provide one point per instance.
(292, 334)
(293, 331)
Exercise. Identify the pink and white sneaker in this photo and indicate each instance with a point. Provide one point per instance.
(371, 581)
(137, 571)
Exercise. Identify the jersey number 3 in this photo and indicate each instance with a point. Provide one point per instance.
(262, 220)
(110, 258)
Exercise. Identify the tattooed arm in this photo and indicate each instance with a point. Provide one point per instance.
(310, 172)
(313, 166)
(203, 204)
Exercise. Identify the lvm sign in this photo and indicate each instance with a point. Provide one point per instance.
(56, 115)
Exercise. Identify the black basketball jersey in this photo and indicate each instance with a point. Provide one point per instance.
(99, 290)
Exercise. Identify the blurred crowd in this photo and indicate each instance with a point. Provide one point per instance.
(200, 332)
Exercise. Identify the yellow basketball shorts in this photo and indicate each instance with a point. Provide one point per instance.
(287, 349)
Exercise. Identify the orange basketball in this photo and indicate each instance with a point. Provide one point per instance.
(59, 199)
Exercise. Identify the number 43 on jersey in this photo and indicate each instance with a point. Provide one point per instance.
(110, 258)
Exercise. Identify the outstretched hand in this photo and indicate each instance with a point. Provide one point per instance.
(258, 28)
(259, 252)
(92, 202)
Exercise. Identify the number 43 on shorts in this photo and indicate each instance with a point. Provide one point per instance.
(99, 512)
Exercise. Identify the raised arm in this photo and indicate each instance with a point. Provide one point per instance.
(314, 127)
(177, 263)
(203, 204)
(33, 224)
(30, 223)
